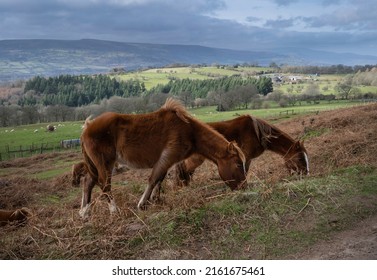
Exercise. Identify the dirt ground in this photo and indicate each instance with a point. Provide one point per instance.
(347, 137)
(356, 143)
(358, 243)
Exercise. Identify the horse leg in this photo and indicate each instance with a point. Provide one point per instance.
(159, 172)
(106, 191)
(155, 196)
(153, 183)
(169, 156)
(87, 186)
(185, 169)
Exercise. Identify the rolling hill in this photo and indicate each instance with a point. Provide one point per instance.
(21, 59)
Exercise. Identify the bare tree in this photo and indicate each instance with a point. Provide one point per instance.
(276, 95)
(30, 115)
(6, 113)
(245, 94)
(312, 90)
(345, 87)
(156, 101)
(186, 97)
(118, 105)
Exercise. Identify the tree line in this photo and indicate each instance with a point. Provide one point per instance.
(332, 69)
(68, 98)
(76, 91)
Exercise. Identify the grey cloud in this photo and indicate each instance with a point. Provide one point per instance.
(253, 19)
(352, 18)
(330, 2)
(285, 2)
(171, 22)
(280, 23)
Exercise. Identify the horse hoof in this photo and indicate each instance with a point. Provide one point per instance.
(113, 207)
(142, 206)
(84, 212)
(155, 198)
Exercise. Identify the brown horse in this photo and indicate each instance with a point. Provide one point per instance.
(253, 136)
(18, 216)
(156, 140)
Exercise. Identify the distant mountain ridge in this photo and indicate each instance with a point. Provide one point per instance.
(20, 59)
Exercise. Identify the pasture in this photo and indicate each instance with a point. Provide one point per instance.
(35, 138)
(326, 83)
(277, 216)
(153, 77)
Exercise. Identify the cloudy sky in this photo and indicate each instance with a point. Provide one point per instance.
(334, 25)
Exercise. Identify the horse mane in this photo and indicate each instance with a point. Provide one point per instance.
(174, 105)
(263, 131)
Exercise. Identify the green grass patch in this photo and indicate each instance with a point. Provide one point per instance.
(49, 174)
(209, 114)
(297, 214)
(27, 140)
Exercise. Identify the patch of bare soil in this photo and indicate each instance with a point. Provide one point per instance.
(358, 243)
(344, 138)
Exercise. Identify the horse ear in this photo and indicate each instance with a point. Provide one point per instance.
(231, 148)
(297, 145)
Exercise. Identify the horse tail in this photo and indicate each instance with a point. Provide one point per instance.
(174, 105)
(90, 166)
(88, 120)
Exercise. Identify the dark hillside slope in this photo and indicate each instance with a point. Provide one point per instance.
(20, 59)
(27, 58)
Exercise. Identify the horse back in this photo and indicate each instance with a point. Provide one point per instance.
(137, 140)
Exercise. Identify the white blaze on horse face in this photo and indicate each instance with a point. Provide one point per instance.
(307, 163)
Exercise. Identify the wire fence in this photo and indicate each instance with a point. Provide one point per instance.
(11, 152)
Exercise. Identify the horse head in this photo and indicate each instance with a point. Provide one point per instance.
(296, 159)
(232, 167)
(78, 171)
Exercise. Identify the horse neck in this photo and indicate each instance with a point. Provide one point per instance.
(212, 144)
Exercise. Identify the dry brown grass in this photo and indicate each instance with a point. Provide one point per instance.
(191, 223)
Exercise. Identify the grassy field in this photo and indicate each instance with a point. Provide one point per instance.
(32, 139)
(153, 77)
(209, 114)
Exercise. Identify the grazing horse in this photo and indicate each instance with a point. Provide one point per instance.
(253, 136)
(155, 140)
(18, 216)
